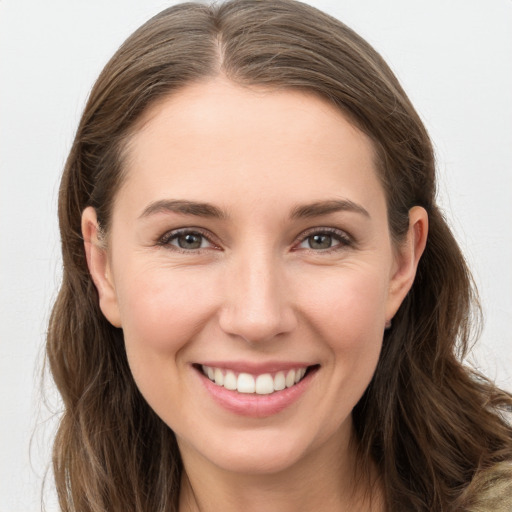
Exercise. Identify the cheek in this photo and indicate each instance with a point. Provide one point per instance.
(161, 310)
(348, 313)
(351, 303)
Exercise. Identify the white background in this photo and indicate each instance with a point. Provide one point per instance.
(454, 57)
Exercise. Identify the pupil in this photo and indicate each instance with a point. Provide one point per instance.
(190, 241)
(320, 241)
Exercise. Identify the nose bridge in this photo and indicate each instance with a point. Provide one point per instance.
(257, 307)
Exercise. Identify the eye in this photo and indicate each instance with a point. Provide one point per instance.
(325, 239)
(186, 240)
(319, 241)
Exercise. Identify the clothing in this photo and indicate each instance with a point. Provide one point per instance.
(490, 490)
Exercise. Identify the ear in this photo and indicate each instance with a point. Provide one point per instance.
(407, 257)
(99, 266)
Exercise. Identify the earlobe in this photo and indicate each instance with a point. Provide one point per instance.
(408, 255)
(99, 266)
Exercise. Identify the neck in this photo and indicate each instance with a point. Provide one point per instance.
(324, 480)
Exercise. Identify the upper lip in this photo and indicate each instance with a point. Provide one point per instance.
(255, 368)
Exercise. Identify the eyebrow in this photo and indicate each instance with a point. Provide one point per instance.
(320, 208)
(199, 209)
(183, 207)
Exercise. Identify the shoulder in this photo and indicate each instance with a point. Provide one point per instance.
(491, 490)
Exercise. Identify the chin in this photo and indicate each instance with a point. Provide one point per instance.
(264, 452)
(262, 462)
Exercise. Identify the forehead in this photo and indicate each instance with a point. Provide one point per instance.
(215, 139)
(207, 107)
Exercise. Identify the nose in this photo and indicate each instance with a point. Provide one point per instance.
(257, 305)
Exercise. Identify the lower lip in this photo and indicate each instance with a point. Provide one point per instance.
(253, 405)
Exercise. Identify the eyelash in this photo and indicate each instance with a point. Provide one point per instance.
(344, 240)
(167, 238)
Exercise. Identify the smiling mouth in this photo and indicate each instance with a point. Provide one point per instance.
(262, 384)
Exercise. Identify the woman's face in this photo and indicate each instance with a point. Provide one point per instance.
(249, 244)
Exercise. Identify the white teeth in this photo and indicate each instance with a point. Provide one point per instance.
(279, 381)
(290, 378)
(263, 384)
(219, 378)
(230, 380)
(245, 383)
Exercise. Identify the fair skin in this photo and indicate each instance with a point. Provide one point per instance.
(250, 236)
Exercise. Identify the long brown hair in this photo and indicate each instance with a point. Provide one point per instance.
(428, 422)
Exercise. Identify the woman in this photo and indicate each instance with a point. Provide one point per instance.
(262, 306)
